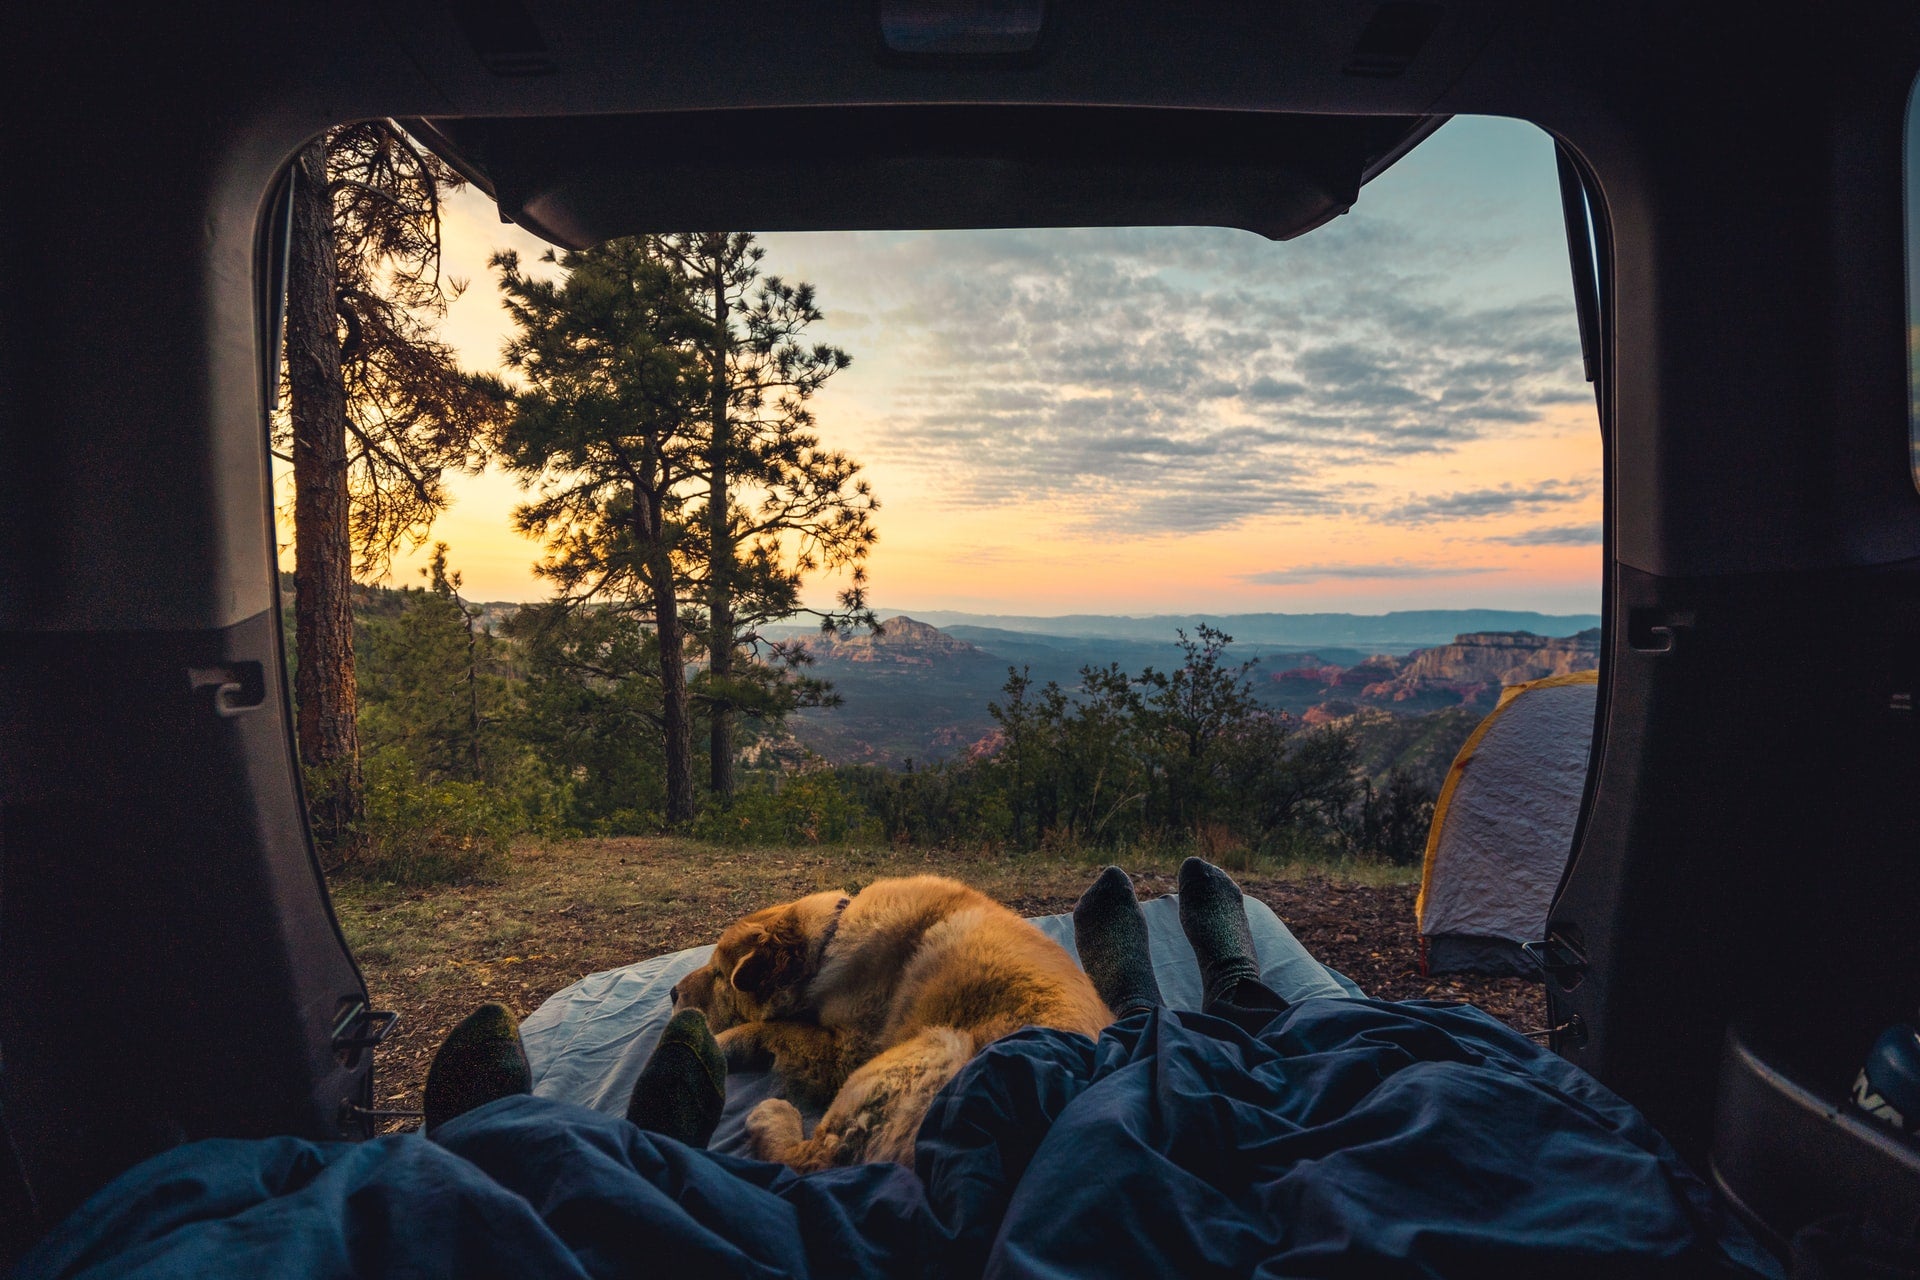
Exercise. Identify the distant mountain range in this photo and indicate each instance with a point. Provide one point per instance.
(1384, 632)
(917, 692)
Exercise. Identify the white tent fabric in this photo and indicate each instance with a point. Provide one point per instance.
(1503, 827)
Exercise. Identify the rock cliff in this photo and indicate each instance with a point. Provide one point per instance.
(1471, 672)
(902, 642)
(1507, 657)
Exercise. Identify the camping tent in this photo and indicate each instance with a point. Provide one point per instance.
(1503, 827)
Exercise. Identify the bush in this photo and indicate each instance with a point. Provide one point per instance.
(940, 805)
(541, 802)
(628, 822)
(1221, 845)
(809, 808)
(431, 832)
(1390, 824)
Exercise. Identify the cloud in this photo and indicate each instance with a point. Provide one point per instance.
(1186, 379)
(1474, 504)
(1558, 535)
(1268, 387)
(1365, 572)
(1154, 380)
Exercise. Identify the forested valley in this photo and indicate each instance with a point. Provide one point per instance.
(480, 724)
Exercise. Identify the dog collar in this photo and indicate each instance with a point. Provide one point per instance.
(833, 926)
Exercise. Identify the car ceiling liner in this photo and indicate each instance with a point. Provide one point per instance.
(578, 180)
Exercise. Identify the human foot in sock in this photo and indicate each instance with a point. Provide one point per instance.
(683, 1088)
(1214, 918)
(481, 1061)
(1111, 936)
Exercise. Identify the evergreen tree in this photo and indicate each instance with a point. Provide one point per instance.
(1277, 780)
(1392, 822)
(1169, 755)
(1107, 772)
(591, 710)
(606, 432)
(433, 685)
(1189, 715)
(777, 506)
(377, 411)
(1028, 720)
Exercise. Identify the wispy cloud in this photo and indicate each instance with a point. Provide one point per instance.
(1557, 535)
(1357, 572)
(1474, 504)
(1175, 380)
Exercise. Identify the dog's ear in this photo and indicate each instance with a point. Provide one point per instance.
(777, 958)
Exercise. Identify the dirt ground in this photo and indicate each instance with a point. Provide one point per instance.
(571, 909)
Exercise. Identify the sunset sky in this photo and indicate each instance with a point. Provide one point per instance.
(1386, 413)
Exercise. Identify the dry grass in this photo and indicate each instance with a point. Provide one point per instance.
(564, 910)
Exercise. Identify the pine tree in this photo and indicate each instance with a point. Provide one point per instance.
(378, 410)
(607, 434)
(1189, 714)
(590, 710)
(777, 506)
(433, 684)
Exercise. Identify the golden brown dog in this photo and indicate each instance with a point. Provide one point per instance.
(869, 1004)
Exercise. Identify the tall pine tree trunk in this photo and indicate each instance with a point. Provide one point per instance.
(675, 721)
(328, 733)
(720, 638)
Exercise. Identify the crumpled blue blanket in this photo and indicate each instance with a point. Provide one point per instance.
(1347, 1138)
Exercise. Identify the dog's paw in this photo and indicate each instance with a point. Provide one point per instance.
(774, 1129)
(744, 1048)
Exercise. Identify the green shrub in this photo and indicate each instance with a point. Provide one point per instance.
(542, 802)
(1221, 845)
(949, 803)
(1300, 846)
(628, 822)
(809, 808)
(431, 832)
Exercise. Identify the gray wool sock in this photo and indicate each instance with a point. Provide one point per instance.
(481, 1061)
(1213, 915)
(1111, 936)
(683, 1088)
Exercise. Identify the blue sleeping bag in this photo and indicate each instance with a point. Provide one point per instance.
(588, 1041)
(1347, 1138)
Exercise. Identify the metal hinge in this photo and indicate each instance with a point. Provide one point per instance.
(1572, 1032)
(1560, 957)
(358, 1028)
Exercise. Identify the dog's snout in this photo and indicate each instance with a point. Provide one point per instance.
(673, 993)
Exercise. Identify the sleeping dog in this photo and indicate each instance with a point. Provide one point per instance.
(869, 1004)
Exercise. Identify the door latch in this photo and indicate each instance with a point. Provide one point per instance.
(1652, 631)
(358, 1028)
(237, 687)
(1560, 957)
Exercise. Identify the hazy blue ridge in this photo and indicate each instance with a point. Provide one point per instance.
(1412, 627)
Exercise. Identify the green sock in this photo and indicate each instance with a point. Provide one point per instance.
(481, 1061)
(1111, 936)
(683, 1088)
(1213, 915)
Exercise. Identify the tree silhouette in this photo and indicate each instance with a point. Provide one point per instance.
(1191, 712)
(778, 506)
(378, 410)
(607, 434)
